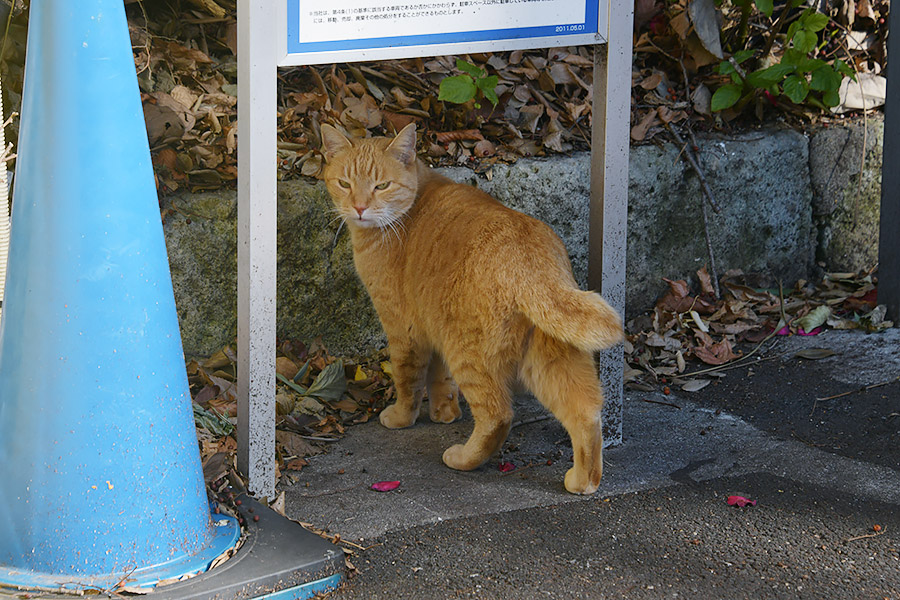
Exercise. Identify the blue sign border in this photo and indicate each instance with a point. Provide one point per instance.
(294, 46)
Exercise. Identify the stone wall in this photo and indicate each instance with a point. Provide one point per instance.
(847, 194)
(791, 204)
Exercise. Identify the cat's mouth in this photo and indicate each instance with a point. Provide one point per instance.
(363, 221)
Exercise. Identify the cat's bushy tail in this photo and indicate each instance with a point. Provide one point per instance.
(583, 319)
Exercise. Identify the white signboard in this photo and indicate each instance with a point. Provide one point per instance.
(357, 30)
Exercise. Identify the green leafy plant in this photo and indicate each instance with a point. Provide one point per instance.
(798, 77)
(474, 82)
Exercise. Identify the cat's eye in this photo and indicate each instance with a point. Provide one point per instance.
(344, 184)
(383, 186)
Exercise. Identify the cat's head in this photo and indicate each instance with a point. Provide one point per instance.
(372, 181)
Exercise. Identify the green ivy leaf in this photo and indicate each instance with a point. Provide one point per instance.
(814, 21)
(487, 86)
(467, 67)
(742, 55)
(831, 98)
(804, 41)
(458, 89)
(775, 73)
(765, 6)
(725, 97)
(796, 88)
(726, 68)
(793, 28)
(825, 79)
(842, 68)
(811, 64)
(756, 80)
(792, 57)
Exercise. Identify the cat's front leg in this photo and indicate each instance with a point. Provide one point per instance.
(443, 393)
(409, 365)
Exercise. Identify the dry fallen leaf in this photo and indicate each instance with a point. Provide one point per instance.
(695, 385)
(717, 353)
(815, 353)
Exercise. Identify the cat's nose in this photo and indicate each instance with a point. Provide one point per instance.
(360, 210)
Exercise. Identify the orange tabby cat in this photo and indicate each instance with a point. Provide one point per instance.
(465, 285)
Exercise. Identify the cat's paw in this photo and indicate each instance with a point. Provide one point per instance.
(578, 482)
(394, 417)
(444, 410)
(456, 457)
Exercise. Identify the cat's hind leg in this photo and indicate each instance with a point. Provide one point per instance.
(564, 379)
(409, 368)
(443, 393)
(491, 405)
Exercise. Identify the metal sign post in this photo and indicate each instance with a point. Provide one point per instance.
(888, 242)
(300, 32)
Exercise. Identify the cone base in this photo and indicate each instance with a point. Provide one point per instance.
(279, 560)
(226, 533)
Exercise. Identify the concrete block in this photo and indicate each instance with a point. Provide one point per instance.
(760, 181)
(846, 184)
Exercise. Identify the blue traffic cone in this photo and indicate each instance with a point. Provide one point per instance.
(99, 467)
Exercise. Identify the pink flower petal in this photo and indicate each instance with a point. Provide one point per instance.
(385, 486)
(784, 331)
(740, 501)
(815, 331)
(506, 467)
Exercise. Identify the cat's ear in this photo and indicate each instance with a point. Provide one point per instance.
(333, 141)
(403, 147)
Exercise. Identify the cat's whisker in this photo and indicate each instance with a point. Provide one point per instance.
(401, 225)
(384, 234)
(336, 234)
(394, 230)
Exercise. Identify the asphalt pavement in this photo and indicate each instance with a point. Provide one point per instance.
(815, 443)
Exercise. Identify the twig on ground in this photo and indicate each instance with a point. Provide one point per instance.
(868, 535)
(864, 388)
(331, 493)
(314, 438)
(687, 84)
(334, 538)
(112, 589)
(709, 248)
(689, 154)
(781, 303)
(530, 421)
(735, 363)
(663, 402)
(714, 273)
(862, 157)
(807, 442)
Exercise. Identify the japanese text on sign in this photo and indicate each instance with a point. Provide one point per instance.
(361, 19)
